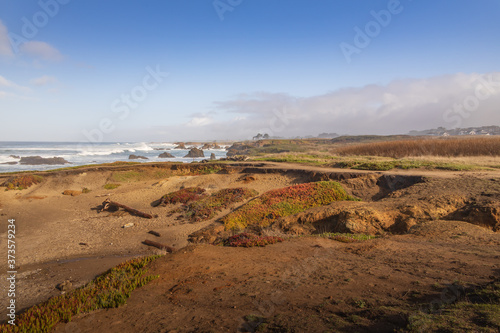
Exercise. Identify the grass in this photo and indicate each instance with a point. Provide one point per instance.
(251, 240)
(477, 311)
(448, 147)
(117, 163)
(109, 290)
(272, 205)
(139, 175)
(347, 238)
(313, 159)
(207, 207)
(111, 186)
(383, 164)
(22, 182)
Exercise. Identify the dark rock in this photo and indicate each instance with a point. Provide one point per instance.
(14, 156)
(238, 148)
(9, 163)
(137, 157)
(238, 158)
(212, 157)
(211, 146)
(195, 152)
(165, 155)
(180, 145)
(159, 148)
(38, 160)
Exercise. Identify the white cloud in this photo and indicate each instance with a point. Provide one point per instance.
(395, 108)
(9, 84)
(200, 121)
(43, 80)
(41, 50)
(5, 47)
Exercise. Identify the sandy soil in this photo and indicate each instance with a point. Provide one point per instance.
(63, 238)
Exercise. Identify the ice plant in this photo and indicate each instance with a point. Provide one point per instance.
(272, 205)
(107, 291)
(22, 182)
(207, 207)
(183, 196)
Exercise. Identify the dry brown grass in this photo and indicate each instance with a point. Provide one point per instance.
(446, 147)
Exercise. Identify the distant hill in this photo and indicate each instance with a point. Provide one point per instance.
(441, 131)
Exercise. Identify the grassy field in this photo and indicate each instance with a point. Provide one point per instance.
(443, 147)
(396, 152)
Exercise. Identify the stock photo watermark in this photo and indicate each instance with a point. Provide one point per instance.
(11, 271)
(484, 87)
(123, 105)
(223, 6)
(32, 26)
(371, 30)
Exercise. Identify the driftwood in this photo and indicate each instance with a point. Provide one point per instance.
(157, 234)
(108, 203)
(159, 245)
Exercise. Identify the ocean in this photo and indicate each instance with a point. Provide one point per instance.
(78, 153)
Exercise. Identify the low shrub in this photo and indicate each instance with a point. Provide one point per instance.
(270, 206)
(22, 182)
(207, 207)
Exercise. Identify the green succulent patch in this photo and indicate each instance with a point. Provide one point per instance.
(22, 182)
(109, 290)
(207, 207)
(183, 196)
(270, 206)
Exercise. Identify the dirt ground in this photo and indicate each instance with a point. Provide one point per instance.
(303, 284)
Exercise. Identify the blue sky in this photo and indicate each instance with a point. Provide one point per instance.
(237, 67)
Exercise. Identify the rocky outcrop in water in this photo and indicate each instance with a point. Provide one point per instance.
(166, 155)
(195, 152)
(38, 160)
(180, 145)
(137, 157)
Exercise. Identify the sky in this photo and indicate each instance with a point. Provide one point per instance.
(177, 70)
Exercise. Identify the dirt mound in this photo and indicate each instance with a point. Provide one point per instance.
(451, 229)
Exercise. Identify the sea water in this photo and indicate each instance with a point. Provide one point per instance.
(78, 153)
